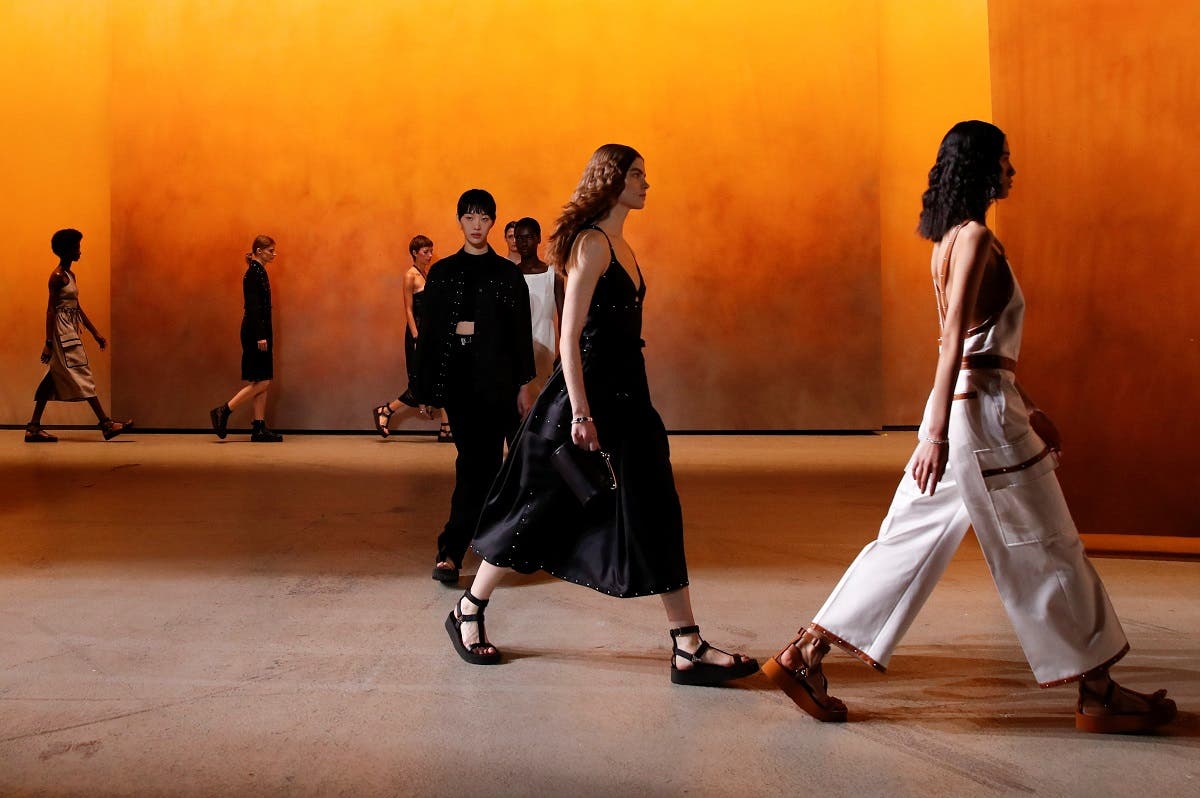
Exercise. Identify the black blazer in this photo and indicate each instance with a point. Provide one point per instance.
(503, 338)
(256, 299)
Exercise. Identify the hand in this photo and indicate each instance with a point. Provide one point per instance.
(525, 399)
(262, 345)
(584, 436)
(929, 464)
(1046, 430)
(46, 353)
(100, 339)
(429, 411)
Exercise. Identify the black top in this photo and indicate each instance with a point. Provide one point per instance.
(503, 340)
(256, 299)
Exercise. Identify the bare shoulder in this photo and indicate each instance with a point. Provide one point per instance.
(58, 278)
(976, 235)
(590, 250)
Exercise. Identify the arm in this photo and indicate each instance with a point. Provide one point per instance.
(56, 282)
(100, 339)
(410, 284)
(969, 260)
(524, 365)
(560, 289)
(589, 259)
(1041, 422)
(254, 296)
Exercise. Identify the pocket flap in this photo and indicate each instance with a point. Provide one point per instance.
(1022, 461)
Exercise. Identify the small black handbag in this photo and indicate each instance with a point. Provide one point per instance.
(587, 474)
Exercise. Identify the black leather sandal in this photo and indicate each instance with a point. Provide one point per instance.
(447, 575)
(380, 417)
(454, 622)
(35, 434)
(111, 429)
(706, 674)
(444, 434)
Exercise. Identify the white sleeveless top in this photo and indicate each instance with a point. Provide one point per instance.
(543, 310)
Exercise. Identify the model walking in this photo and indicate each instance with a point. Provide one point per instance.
(474, 359)
(69, 378)
(986, 459)
(629, 543)
(258, 346)
(546, 293)
(420, 249)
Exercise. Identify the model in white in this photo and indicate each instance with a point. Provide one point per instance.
(985, 459)
(546, 292)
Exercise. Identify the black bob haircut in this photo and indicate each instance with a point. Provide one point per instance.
(529, 221)
(64, 242)
(476, 200)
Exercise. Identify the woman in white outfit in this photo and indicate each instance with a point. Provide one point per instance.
(545, 298)
(985, 459)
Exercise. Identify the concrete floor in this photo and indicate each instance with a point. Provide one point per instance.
(184, 617)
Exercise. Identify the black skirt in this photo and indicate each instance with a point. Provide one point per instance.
(627, 543)
(256, 364)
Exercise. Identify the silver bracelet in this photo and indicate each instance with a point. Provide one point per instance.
(935, 441)
(581, 419)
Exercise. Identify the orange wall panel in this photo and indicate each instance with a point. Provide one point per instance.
(343, 129)
(54, 94)
(933, 72)
(1101, 105)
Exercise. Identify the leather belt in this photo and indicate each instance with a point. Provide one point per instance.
(1032, 461)
(989, 362)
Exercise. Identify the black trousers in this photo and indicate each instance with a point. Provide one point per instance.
(480, 428)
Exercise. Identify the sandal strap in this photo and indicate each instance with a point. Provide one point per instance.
(384, 410)
(478, 602)
(692, 656)
(685, 630)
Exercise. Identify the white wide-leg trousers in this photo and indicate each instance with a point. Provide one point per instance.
(1000, 481)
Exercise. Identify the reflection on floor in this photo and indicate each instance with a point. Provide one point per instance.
(182, 616)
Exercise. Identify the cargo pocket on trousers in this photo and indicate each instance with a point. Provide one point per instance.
(73, 354)
(1024, 491)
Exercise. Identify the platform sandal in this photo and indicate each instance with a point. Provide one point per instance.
(446, 574)
(111, 429)
(454, 622)
(705, 674)
(380, 417)
(444, 434)
(1106, 719)
(795, 684)
(34, 433)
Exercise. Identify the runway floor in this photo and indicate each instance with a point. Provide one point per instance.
(186, 617)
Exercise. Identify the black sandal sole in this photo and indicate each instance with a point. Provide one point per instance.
(703, 674)
(445, 575)
(467, 654)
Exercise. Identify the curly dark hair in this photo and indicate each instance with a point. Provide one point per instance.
(964, 180)
(599, 188)
(64, 242)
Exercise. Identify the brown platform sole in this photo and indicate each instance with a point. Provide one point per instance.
(1114, 723)
(800, 694)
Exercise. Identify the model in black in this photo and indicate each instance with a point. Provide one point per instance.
(474, 355)
(630, 541)
(258, 345)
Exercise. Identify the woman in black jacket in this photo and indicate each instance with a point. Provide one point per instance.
(258, 345)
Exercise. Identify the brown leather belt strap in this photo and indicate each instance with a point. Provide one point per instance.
(967, 395)
(989, 362)
(1037, 458)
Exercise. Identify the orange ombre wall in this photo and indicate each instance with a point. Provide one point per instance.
(343, 129)
(933, 72)
(54, 94)
(1101, 108)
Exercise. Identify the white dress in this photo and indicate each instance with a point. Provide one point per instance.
(544, 315)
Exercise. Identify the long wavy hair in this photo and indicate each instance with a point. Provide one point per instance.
(598, 190)
(964, 180)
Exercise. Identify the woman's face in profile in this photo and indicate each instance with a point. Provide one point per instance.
(634, 195)
(265, 255)
(1006, 172)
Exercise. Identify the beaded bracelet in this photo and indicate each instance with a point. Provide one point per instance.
(935, 441)
(581, 419)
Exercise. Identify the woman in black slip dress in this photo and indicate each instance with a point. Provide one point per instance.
(626, 544)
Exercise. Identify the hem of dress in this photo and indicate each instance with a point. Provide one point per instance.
(1108, 663)
(597, 588)
(829, 637)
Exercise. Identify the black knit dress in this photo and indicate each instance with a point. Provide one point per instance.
(627, 543)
